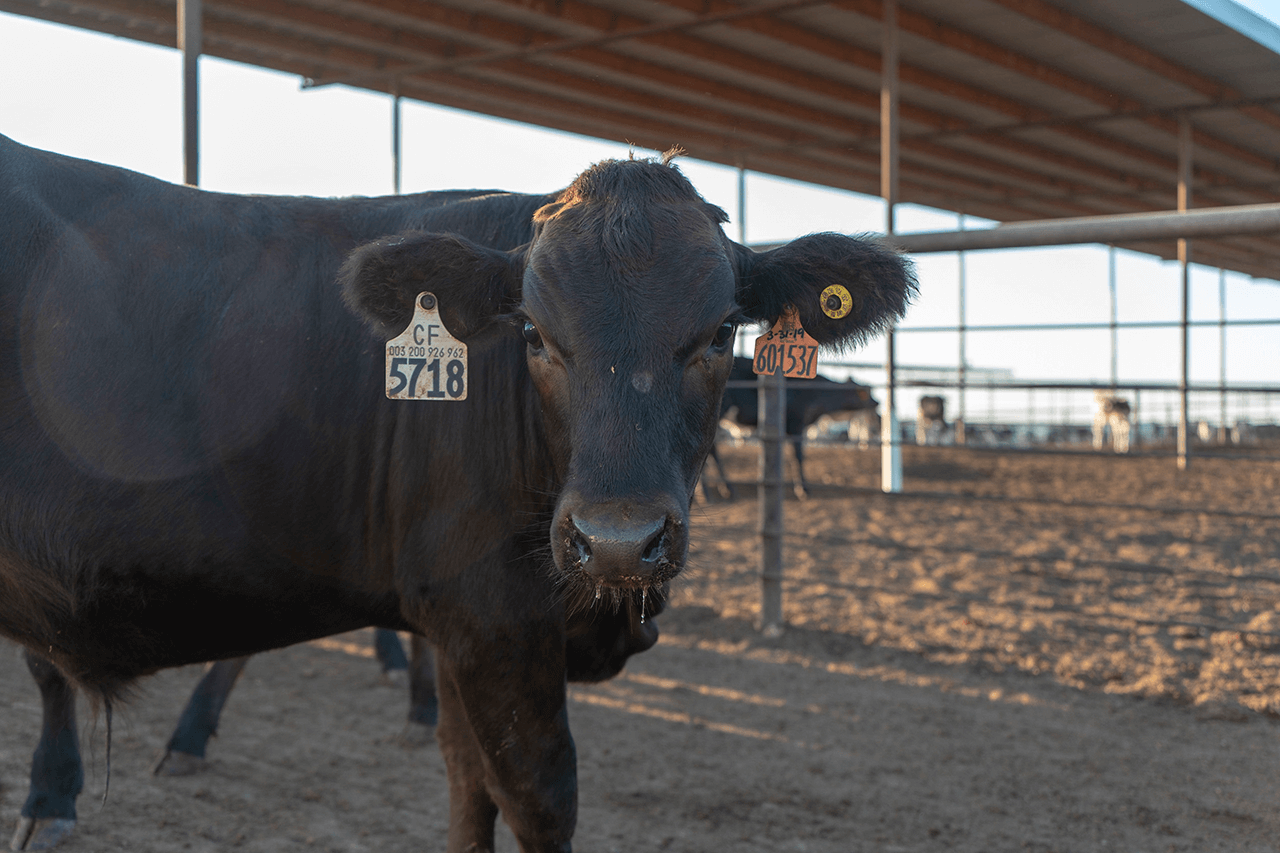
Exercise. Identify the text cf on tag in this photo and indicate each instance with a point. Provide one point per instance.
(789, 346)
(425, 362)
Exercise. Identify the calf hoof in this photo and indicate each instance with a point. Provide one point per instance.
(397, 678)
(415, 736)
(41, 833)
(174, 763)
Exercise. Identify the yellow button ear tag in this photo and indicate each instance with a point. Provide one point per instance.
(836, 302)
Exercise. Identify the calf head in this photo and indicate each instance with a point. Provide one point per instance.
(627, 299)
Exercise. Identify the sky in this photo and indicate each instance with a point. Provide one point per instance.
(118, 101)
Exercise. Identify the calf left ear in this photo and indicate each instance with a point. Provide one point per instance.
(878, 282)
(473, 284)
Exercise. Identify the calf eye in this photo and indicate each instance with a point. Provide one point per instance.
(530, 333)
(723, 336)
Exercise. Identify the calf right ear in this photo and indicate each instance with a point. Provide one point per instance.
(876, 280)
(473, 284)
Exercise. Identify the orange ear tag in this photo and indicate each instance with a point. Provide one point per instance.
(789, 346)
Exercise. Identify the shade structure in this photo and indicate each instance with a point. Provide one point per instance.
(1010, 109)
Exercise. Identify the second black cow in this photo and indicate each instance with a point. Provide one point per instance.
(807, 401)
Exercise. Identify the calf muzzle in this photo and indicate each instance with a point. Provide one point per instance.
(622, 546)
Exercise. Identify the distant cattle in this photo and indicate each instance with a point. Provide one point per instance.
(860, 428)
(199, 459)
(1112, 415)
(807, 400)
(931, 420)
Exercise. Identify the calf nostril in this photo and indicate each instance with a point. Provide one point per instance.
(657, 547)
(580, 542)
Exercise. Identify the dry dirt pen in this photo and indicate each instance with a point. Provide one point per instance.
(1047, 653)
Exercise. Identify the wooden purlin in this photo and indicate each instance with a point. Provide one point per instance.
(538, 43)
(325, 25)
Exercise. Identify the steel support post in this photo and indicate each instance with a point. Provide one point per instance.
(772, 425)
(396, 135)
(890, 435)
(191, 43)
(1224, 431)
(962, 368)
(1184, 262)
(1115, 316)
(742, 204)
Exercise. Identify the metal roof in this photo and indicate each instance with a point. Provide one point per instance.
(1010, 109)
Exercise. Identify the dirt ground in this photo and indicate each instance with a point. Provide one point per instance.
(1044, 653)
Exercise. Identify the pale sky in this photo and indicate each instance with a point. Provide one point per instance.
(118, 101)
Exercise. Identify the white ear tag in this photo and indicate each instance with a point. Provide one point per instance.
(425, 362)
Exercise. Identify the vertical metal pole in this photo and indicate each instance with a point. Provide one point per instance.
(191, 43)
(396, 168)
(741, 341)
(1134, 432)
(1111, 282)
(1224, 433)
(961, 371)
(890, 435)
(1184, 261)
(772, 403)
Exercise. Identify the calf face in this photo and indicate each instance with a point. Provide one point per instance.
(626, 300)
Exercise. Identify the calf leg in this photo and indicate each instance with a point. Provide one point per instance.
(423, 705)
(504, 733)
(802, 484)
(395, 666)
(57, 776)
(184, 753)
(724, 488)
(1120, 434)
(471, 810)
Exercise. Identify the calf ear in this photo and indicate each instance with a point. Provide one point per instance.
(879, 281)
(473, 284)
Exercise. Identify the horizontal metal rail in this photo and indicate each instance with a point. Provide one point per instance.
(1075, 327)
(1094, 386)
(1072, 230)
(1035, 386)
(1122, 228)
(1032, 450)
